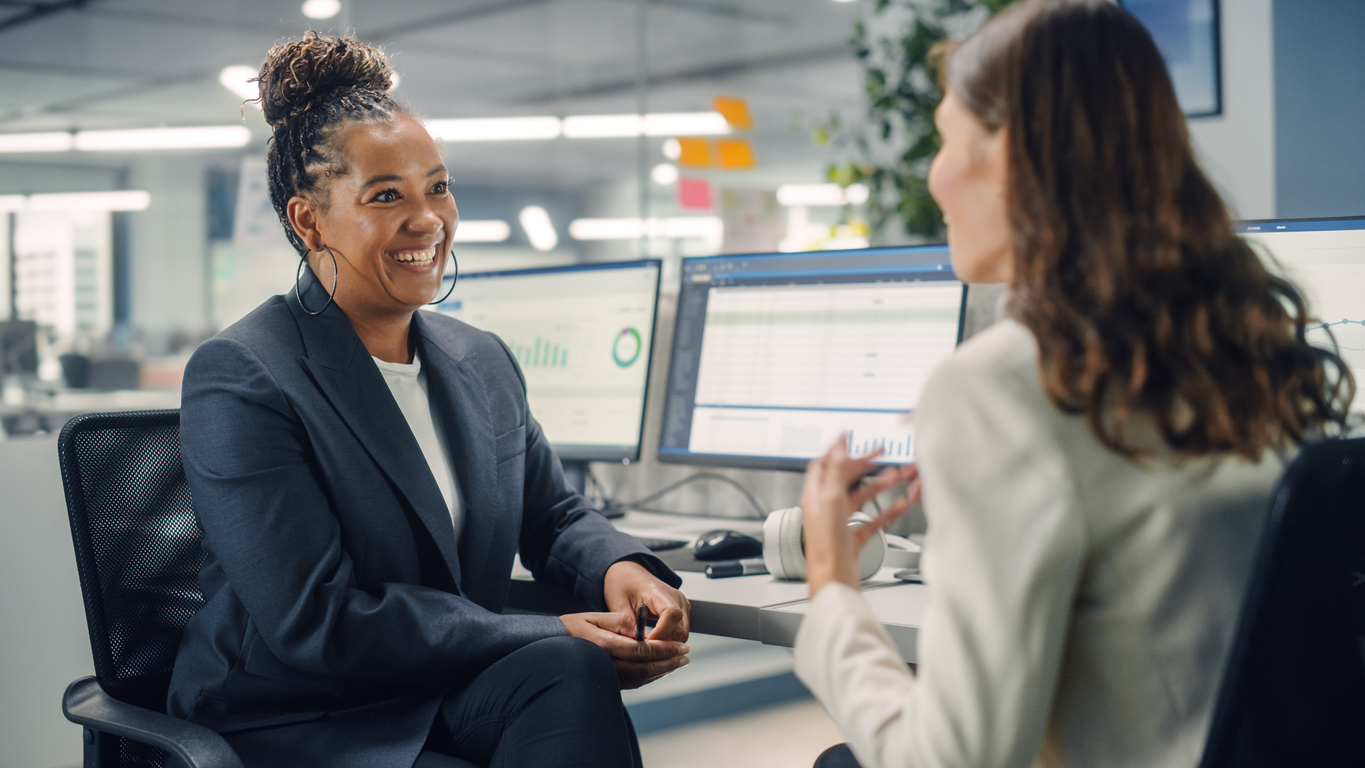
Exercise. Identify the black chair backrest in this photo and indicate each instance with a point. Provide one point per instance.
(137, 546)
(1293, 690)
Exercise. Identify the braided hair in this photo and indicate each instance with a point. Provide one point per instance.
(309, 88)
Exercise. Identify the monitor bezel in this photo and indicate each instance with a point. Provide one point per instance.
(576, 452)
(779, 464)
(1239, 223)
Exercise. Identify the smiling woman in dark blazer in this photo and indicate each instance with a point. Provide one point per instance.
(364, 474)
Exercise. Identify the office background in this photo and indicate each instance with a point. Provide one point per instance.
(199, 255)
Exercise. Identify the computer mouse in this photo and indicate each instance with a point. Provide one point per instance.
(727, 545)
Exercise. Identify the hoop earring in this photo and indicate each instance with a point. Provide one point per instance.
(453, 280)
(298, 293)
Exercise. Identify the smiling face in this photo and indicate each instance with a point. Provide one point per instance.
(388, 217)
(968, 181)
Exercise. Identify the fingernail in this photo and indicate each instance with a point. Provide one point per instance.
(684, 662)
(686, 649)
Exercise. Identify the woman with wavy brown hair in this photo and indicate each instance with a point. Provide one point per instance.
(1095, 468)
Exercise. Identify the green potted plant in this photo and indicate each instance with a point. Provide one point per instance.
(891, 148)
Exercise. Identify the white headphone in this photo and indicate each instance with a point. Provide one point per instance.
(784, 546)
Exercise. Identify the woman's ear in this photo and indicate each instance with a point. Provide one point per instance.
(303, 217)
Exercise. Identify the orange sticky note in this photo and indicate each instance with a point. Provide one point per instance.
(695, 153)
(735, 153)
(735, 111)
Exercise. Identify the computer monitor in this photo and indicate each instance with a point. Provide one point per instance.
(1325, 258)
(775, 355)
(583, 336)
(18, 347)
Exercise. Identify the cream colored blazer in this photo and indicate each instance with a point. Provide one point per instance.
(1082, 604)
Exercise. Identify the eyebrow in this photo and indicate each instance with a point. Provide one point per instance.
(390, 177)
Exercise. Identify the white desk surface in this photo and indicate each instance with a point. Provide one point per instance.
(749, 607)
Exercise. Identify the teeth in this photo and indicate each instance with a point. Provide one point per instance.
(415, 257)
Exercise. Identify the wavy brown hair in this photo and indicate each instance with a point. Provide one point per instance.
(1127, 269)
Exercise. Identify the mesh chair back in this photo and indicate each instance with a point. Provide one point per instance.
(1293, 691)
(137, 546)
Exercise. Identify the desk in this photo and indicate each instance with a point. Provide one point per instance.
(47, 412)
(747, 607)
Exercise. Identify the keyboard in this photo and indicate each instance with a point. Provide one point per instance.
(660, 545)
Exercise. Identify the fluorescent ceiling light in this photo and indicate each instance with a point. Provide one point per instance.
(664, 174)
(539, 229)
(672, 149)
(821, 194)
(164, 138)
(321, 9)
(491, 231)
(495, 128)
(687, 124)
(602, 126)
(35, 142)
(631, 229)
(12, 203)
(237, 77)
(129, 200)
(662, 124)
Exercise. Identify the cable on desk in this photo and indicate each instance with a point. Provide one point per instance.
(760, 511)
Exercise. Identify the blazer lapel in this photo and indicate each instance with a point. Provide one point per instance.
(462, 401)
(352, 383)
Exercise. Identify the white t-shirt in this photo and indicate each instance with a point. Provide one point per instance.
(408, 383)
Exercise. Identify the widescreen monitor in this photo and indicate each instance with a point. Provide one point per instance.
(582, 335)
(1326, 259)
(777, 355)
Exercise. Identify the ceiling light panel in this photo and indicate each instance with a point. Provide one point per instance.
(821, 194)
(321, 9)
(35, 142)
(207, 137)
(490, 231)
(679, 227)
(539, 229)
(495, 128)
(659, 124)
(237, 77)
(127, 200)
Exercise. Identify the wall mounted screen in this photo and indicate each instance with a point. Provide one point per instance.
(1186, 32)
(582, 335)
(775, 355)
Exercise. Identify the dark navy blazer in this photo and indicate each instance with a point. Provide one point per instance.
(340, 608)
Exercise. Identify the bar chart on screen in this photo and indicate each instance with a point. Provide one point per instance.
(581, 340)
(539, 353)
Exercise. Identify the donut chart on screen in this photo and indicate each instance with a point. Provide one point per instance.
(626, 348)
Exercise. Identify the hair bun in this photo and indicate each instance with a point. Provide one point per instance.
(297, 74)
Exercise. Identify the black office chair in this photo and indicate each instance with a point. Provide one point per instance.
(1293, 690)
(138, 554)
(137, 551)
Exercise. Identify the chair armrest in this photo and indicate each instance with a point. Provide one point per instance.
(85, 703)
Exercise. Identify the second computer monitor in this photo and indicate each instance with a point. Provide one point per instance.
(776, 355)
(582, 335)
(1326, 259)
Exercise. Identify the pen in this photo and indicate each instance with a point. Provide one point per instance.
(641, 616)
(746, 567)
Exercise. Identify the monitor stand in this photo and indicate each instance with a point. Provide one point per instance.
(576, 473)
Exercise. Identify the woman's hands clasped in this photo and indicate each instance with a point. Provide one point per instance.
(830, 497)
(629, 586)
